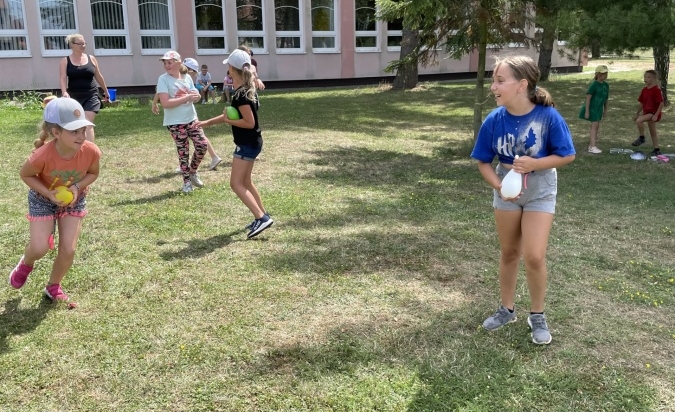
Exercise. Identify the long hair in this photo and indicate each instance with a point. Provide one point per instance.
(248, 88)
(45, 133)
(523, 67)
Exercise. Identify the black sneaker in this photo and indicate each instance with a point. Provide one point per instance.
(655, 152)
(250, 225)
(638, 141)
(259, 225)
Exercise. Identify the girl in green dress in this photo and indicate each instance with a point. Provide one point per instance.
(595, 107)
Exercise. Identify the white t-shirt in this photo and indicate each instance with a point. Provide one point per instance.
(181, 114)
(204, 78)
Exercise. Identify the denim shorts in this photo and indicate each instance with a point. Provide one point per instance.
(249, 153)
(539, 196)
(41, 208)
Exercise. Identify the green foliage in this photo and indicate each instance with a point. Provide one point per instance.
(26, 100)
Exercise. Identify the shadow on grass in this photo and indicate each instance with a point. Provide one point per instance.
(200, 247)
(151, 199)
(458, 368)
(15, 321)
(153, 179)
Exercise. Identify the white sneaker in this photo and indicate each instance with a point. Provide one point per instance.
(203, 101)
(194, 178)
(178, 171)
(187, 187)
(594, 150)
(215, 162)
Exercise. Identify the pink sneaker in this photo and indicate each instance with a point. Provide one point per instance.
(54, 292)
(18, 276)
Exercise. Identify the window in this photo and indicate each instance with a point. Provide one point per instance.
(156, 28)
(366, 26)
(324, 33)
(13, 34)
(288, 25)
(394, 34)
(250, 24)
(210, 26)
(57, 20)
(109, 22)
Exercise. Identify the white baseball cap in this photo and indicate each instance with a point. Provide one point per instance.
(238, 59)
(191, 64)
(171, 55)
(67, 113)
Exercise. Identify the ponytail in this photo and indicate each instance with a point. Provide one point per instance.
(45, 132)
(248, 83)
(541, 96)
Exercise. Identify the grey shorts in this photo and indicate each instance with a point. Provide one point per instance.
(539, 196)
(41, 208)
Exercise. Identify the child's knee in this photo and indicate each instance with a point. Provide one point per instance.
(39, 247)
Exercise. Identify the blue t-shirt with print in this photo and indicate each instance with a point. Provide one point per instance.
(540, 133)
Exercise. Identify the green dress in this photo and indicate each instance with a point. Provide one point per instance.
(599, 94)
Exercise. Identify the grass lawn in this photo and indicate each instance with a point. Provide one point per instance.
(368, 292)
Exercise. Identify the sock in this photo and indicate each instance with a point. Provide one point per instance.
(642, 137)
(511, 310)
(536, 313)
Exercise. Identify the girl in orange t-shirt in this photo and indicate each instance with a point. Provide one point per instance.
(58, 173)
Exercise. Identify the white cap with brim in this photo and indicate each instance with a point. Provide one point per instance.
(191, 63)
(67, 113)
(238, 59)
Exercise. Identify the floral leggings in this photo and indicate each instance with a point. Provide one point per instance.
(181, 134)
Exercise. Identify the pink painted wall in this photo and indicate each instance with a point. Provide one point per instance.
(136, 69)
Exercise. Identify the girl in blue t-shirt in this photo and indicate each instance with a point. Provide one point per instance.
(529, 136)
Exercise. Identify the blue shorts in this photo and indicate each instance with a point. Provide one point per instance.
(200, 87)
(41, 208)
(249, 153)
(539, 196)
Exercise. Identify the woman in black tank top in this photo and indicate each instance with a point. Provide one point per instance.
(80, 79)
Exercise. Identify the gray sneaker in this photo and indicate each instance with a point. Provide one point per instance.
(187, 187)
(500, 318)
(196, 181)
(540, 333)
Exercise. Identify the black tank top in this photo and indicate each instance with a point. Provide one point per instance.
(81, 78)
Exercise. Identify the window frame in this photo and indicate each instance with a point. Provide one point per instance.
(243, 34)
(170, 32)
(394, 33)
(17, 33)
(210, 33)
(335, 33)
(117, 33)
(56, 33)
(368, 33)
(291, 33)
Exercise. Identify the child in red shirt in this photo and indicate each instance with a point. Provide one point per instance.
(67, 160)
(651, 105)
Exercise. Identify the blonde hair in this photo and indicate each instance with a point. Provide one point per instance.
(183, 69)
(249, 83)
(45, 133)
(523, 67)
(73, 36)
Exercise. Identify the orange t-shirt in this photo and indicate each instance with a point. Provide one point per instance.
(57, 171)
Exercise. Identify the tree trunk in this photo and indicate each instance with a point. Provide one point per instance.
(662, 65)
(595, 49)
(406, 76)
(480, 80)
(545, 53)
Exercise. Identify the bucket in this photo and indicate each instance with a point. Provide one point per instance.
(113, 94)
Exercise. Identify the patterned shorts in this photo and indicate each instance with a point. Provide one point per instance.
(41, 208)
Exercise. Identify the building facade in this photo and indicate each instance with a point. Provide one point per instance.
(292, 40)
